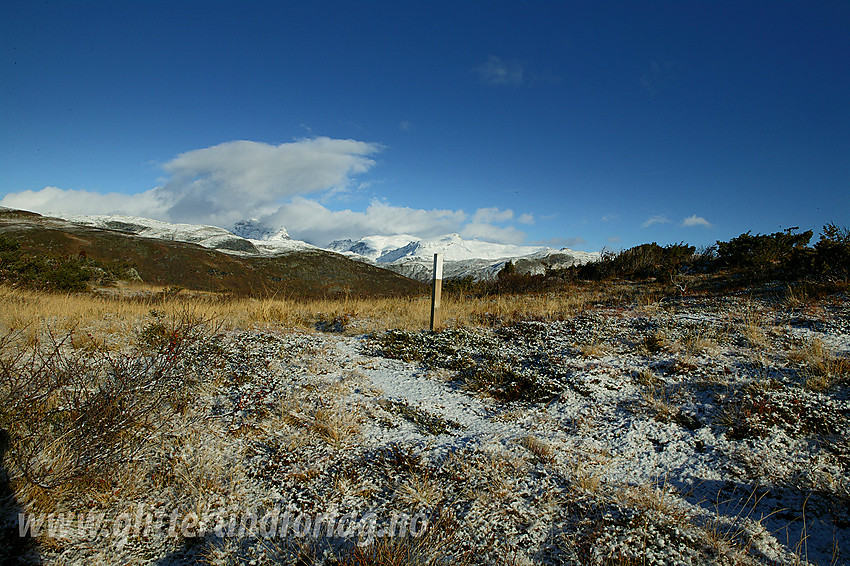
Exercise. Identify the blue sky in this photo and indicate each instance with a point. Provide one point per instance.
(581, 124)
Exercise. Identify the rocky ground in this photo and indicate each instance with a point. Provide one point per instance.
(693, 431)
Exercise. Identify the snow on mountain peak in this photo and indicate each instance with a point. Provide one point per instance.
(403, 253)
(253, 229)
(453, 247)
(412, 256)
(372, 247)
(248, 236)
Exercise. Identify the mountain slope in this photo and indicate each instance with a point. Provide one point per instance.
(295, 273)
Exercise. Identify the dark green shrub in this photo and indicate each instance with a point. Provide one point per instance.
(74, 273)
(69, 275)
(8, 245)
(462, 286)
(832, 253)
(507, 270)
(640, 262)
(781, 254)
(424, 421)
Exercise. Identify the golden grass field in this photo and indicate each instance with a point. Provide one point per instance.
(128, 303)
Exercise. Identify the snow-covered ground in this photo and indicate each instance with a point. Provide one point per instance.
(677, 433)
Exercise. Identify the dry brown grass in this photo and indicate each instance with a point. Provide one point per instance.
(754, 328)
(537, 446)
(113, 313)
(76, 415)
(419, 490)
(821, 367)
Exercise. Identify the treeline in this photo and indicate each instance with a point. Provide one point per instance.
(746, 259)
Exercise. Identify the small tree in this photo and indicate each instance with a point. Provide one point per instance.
(832, 252)
(507, 270)
(765, 255)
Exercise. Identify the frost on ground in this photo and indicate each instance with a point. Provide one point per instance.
(700, 431)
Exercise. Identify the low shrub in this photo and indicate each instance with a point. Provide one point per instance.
(75, 414)
(478, 358)
(757, 411)
(640, 262)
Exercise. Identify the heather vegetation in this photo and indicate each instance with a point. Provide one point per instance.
(56, 273)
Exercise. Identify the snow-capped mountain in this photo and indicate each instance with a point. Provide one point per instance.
(388, 249)
(414, 257)
(267, 242)
(372, 247)
(253, 229)
(403, 253)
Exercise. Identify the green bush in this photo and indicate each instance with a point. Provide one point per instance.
(763, 256)
(8, 245)
(832, 253)
(640, 262)
(70, 275)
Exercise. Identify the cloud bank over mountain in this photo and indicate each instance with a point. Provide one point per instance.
(223, 184)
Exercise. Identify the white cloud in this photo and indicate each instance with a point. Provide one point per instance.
(492, 214)
(609, 218)
(696, 221)
(491, 233)
(243, 179)
(657, 219)
(495, 72)
(309, 220)
(68, 201)
(233, 181)
(222, 184)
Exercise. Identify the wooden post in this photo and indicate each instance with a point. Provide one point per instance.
(436, 291)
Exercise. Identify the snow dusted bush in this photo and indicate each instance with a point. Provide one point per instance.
(74, 414)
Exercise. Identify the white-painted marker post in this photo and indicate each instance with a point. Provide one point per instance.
(436, 291)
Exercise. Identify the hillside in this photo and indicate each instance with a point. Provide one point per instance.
(297, 273)
(408, 255)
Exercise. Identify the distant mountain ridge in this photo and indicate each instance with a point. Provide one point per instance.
(185, 255)
(413, 257)
(405, 254)
(253, 229)
(247, 236)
